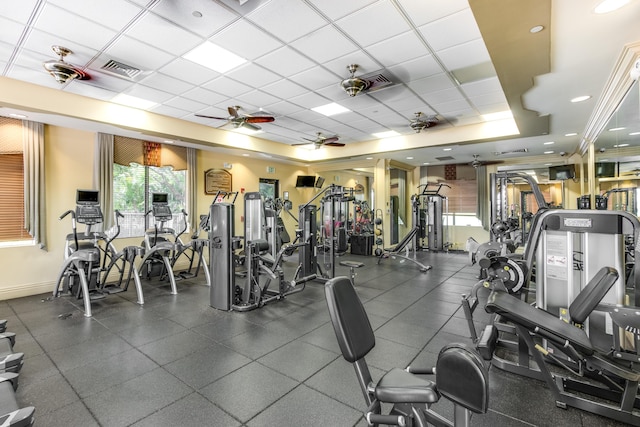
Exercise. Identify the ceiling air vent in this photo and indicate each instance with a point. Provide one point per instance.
(378, 80)
(121, 70)
(520, 150)
(445, 158)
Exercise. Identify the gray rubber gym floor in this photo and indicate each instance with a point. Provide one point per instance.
(178, 362)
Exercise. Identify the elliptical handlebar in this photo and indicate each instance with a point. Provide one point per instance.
(70, 211)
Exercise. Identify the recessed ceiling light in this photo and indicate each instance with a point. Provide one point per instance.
(18, 116)
(245, 155)
(369, 158)
(447, 149)
(386, 134)
(616, 129)
(168, 141)
(197, 13)
(549, 142)
(548, 152)
(580, 98)
(620, 145)
(214, 57)
(133, 101)
(425, 163)
(330, 109)
(634, 133)
(536, 29)
(409, 158)
(571, 134)
(497, 116)
(607, 6)
(548, 164)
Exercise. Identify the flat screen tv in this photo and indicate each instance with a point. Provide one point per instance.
(560, 173)
(605, 169)
(319, 182)
(305, 181)
(87, 196)
(159, 198)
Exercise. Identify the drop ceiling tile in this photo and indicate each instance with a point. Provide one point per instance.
(84, 88)
(10, 31)
(315, 78)
(214, 16)
(398, 49)
(157, 31)
(416, 68)
(482, 86)
(167, 83)
(257, 97)
(227, 87)
(285, 61)
(324, 44)
(461, 27)
(254, 75)
(309, 100)
(489, 99)
(284, 89)
(145, 92)
(188, 105)
(276, 17)
(493, 108)
(282, 108)
(464, 55)
(113, 14)
(447, 108)
(166, 110)
(431, 84)
(20, 11)
(204, 95)
(336, 9)
(245, 40)
(422, 12)
(109, 82)
(188, 71)
(407, 101)
(442, 96)
(374, 23)
(365, 64)
(138, 54)
(38, 44)
(32, 75)
(57, 21)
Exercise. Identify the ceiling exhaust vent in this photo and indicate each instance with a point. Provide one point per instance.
(445, 158)
(379, 80)
(520, 150)
(121, 70)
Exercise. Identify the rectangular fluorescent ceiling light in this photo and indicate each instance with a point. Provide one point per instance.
(386, 134)
(133, 101)
(214, 57)
(247, 131)
(500, 115)
(330, 109)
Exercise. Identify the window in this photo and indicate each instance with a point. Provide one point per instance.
(462, 202)
(12, 227)
(134, 183)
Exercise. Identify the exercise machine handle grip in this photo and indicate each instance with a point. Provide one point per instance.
(304, 279)
(73, 214)
(119, 214)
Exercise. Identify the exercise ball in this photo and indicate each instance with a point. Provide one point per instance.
(378, 221)
(378, 232)
(378, 251)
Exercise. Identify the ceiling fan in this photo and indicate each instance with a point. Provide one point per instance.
(245, 120)
(421, 122)
(329, 141)
(63, 71)
(477, 163)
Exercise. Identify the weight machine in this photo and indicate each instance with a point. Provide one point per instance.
(430, 220)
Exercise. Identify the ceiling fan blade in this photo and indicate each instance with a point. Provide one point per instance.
(330, 140)
(211, 117)
(259, 119)
(304, 143)
(248, 125)
(334, 144)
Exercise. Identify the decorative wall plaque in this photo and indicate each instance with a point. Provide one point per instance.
(217, 180)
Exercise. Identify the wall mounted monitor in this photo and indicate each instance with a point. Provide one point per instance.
(560, 173)
(606, 169)
(319, 182)
(305, 181)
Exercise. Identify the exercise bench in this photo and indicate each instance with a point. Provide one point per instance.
(352, 268)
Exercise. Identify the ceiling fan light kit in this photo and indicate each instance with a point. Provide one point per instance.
(354, 85)
(63, 71)
(420, 123)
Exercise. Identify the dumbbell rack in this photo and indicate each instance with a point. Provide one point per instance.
(378, 232)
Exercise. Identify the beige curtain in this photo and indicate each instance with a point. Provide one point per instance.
(103, 176)
(482, 209)
(34, 181)
(192, 187)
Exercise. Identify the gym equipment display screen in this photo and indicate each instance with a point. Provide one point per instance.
(87, 196)
(159, 198)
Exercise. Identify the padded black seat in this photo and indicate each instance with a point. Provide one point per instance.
(462, 372)
(533, 318)
(399, 386)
